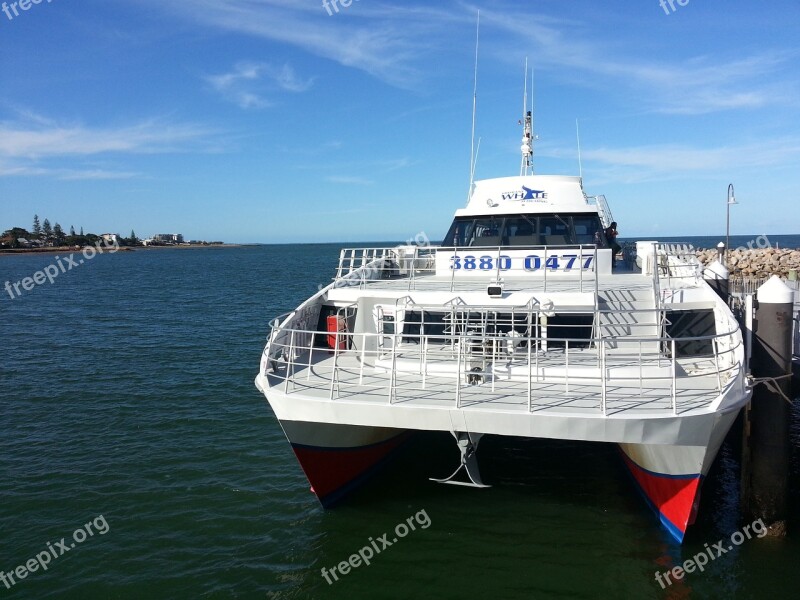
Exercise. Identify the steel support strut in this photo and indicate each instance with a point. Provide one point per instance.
(468, 446)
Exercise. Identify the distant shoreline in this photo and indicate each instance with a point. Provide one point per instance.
(64, 249)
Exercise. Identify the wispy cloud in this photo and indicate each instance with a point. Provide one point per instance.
(36, 140)
(395, 43)
(371, 166)
(10, 170)
(694, 86)
(93, 174)
(385, 41)
(340, 211)
(249, 82)
(703, 85)
(28, 145)
(668, 161)
(349, 180)
(394, 164)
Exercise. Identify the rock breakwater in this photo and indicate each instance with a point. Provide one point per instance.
(756, 262)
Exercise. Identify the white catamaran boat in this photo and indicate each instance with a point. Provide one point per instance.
(517, 325)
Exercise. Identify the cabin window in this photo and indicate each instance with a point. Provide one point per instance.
(457, 235)
(588, 231)
(521, 231)
(526, 230)
(431, 324)
(486, 232)
(387, 325)
(447, 327)
(555, 231)
(577, 328)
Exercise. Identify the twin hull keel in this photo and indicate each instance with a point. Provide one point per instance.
(669, 477)
(338, 458)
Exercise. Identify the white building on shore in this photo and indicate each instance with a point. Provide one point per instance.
(168, 238)
(110, 238)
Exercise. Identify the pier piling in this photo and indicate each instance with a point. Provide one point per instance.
(766, 451)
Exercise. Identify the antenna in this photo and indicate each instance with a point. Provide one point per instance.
(580, 164)
(473, 158)
(477, 151)
(525, 89)
(534, 137)
(526, 164)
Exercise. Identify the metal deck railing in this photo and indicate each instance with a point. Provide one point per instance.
(677, 261)
(408, 264)
(525, 366)
(742, 287)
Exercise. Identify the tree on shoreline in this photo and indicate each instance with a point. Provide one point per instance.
(45, 234)
(11, 237)
(58, 234)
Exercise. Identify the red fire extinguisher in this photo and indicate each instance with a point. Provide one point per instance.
(337, 332)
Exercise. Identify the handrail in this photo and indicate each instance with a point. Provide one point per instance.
(532, 308)
(522, 339)
(363, 265)
(659, 300)
(494, 351)
(373, 264)
(278, 325)
(685, 263)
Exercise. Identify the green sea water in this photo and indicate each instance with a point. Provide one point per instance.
(127, 398)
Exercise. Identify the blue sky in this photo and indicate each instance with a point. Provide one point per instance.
(274, 121)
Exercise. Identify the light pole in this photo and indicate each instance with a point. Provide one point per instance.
(730, 200)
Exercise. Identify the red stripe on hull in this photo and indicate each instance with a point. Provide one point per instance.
(333, 472)
(675, 499)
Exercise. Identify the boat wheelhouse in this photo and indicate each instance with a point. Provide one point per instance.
(511, 212)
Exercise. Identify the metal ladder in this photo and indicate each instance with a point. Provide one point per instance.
(604, 211)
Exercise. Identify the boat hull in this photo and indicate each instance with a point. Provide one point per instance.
(337, 459)
(670, 477)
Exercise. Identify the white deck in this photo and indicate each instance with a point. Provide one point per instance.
(556, 388)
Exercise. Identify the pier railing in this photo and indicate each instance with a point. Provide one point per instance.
(468, 365)
(741, 286)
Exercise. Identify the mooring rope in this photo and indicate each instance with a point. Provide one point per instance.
(772, 385)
